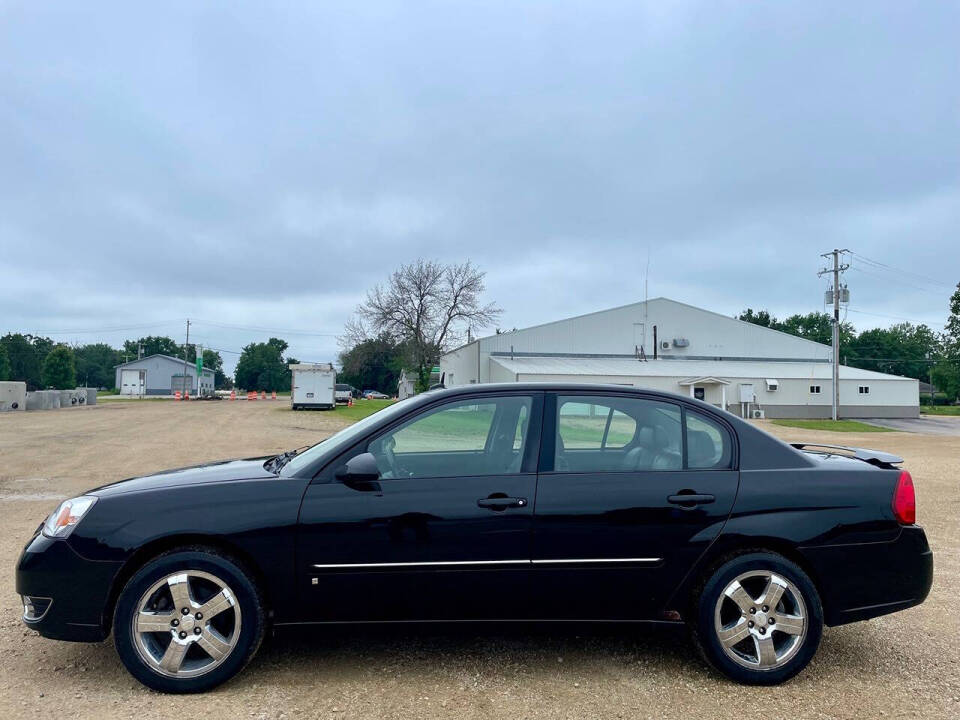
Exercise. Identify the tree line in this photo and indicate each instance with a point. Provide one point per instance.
(905, 349)
(43, 363)
(425, 309)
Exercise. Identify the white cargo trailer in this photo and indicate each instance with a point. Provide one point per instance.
(312, 386)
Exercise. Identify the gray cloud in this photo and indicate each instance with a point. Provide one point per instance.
(230, 162)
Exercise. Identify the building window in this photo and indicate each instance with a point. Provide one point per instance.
(814, 389)
(864, 389)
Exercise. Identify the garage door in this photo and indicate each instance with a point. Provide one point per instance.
(132, 382)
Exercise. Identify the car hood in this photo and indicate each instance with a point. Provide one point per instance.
(221, 471)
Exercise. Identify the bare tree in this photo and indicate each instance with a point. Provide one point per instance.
(427, 306)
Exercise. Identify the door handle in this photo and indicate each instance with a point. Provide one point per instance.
(688, 500)
(501, 503)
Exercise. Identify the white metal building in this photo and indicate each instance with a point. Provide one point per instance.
(162, 375)
(668, 345)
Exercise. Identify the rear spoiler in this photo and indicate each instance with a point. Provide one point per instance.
(874, 457)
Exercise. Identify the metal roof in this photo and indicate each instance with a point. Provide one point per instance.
(629, 367)
(180, 361)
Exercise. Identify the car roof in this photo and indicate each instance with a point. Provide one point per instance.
(557, 387)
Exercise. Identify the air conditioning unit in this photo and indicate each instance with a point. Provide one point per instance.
(664, 344)
(757, 414)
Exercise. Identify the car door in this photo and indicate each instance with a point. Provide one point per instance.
(444, 533)
(631, 491)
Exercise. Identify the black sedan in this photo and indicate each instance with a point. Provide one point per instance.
(489, 503)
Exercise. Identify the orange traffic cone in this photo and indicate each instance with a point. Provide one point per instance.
(273, 395)
(186, 396)
(252, 395)
(176, 395)
(263, 394)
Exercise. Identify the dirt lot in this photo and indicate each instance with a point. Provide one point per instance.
(901, 665)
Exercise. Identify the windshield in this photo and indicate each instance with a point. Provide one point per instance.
(342, 438)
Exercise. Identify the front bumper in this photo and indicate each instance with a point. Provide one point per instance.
(79, 590)
(862, 581)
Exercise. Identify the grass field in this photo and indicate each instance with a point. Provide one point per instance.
(361, 409)
(940, 409)
(831, 425)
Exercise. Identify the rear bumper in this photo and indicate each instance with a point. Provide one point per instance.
(862, 581)
(78, 588)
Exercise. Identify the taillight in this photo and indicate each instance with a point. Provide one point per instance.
(904, 500)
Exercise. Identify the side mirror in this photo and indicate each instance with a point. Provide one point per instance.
(360, 472)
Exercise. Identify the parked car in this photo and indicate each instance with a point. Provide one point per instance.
(497, 503)
(343, 392)
(375, 395)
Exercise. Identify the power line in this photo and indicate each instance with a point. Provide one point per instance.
(901, 271)
(90, 331)
(937, 292)
(895, 317)
(254, 328)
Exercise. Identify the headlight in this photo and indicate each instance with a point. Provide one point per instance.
(62, 521)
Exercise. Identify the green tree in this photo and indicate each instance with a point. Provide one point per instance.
(26, 354)
(816, 326)
(153, 345)
(262, 367)
(95, 365)
(372, 364)
(946, 374)
(902, 349)
(213, 361)
(58, 369)
(761, 317)
(4, 363)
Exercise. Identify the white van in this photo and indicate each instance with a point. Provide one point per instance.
(312, 386)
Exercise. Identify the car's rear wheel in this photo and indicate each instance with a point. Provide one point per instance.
(188, 620)
(758, 619)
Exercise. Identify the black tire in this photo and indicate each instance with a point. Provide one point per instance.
(204, 560)
(705, 634)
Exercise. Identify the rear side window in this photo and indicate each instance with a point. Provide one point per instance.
(708, 443)
(597, 434)
(589, 425)
(617, 434)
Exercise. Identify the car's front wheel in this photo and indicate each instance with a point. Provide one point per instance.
(188, 620)
(758, 619)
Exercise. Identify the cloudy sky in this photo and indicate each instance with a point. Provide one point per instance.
(257, 168)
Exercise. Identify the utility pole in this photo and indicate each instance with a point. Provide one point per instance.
(186, 345)
(835, 339)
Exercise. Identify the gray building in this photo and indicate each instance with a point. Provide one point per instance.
(161, 375)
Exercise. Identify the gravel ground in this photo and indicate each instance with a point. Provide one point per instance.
(903, 665)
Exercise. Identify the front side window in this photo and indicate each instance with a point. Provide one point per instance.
(469, 437)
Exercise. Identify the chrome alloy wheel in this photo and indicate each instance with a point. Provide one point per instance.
(760, 620)
(186, 624)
